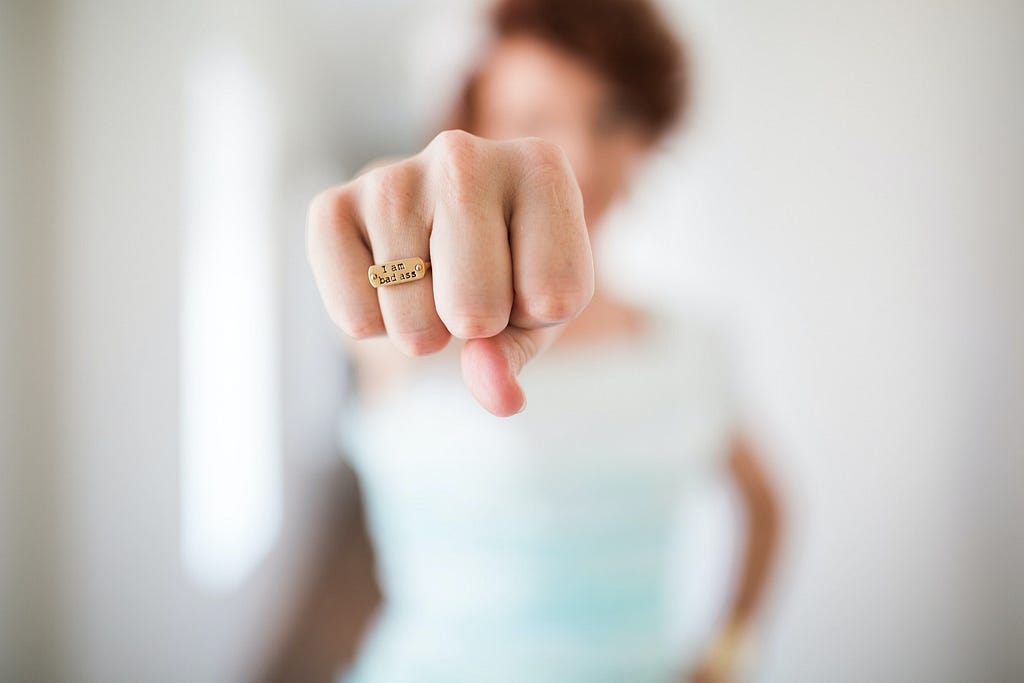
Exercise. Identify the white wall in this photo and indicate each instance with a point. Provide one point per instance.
(115, 602)
(861, 166)
(847, 195)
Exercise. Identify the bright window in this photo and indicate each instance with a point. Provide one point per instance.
(230, 370)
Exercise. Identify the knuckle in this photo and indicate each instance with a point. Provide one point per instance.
(324, 204)
(554, 308)
(457, 163)
(391, 194)
(321, 206)
(329, 211)
(466, 324)
(357, 327)
(420, 342)
(401, 179)
(543, 154)
(545, 165)
(453, 143)
(326, 208)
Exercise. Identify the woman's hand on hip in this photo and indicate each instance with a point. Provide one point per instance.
(501, 224)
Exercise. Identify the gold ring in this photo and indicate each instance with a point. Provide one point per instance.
(397, 272)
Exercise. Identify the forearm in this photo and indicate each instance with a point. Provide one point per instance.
(762, 521)
(728, 651)
(325, 631)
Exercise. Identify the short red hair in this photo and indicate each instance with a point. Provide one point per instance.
(627, 42)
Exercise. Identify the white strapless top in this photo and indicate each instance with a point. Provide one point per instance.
(535, 548)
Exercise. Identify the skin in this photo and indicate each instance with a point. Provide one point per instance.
(507, 215)
(495, 218)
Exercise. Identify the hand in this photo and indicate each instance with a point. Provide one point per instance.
(502, 225)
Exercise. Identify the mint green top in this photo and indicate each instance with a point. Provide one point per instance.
(535, 548)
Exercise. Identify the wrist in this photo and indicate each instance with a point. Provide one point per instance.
(730, 651)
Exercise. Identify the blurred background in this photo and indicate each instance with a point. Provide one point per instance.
(848, 196)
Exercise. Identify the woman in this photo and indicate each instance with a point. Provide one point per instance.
(532, 548)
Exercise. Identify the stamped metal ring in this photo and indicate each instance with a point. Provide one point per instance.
(397, 272)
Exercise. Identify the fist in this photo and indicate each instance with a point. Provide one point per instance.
(502, 225)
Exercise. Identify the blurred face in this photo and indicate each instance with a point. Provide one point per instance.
(527, 88)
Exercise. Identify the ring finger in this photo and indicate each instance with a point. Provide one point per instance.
(397, 223)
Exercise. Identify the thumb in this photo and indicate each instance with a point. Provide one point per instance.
(490, 366)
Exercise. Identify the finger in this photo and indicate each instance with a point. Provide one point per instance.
(553, 267)
(490, 366)
(472, 266)
(339, 258)
(397, 222)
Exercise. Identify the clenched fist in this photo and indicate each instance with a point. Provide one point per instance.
(502, 225)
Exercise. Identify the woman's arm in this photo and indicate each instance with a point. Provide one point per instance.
(337, 602)
(762, 513)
